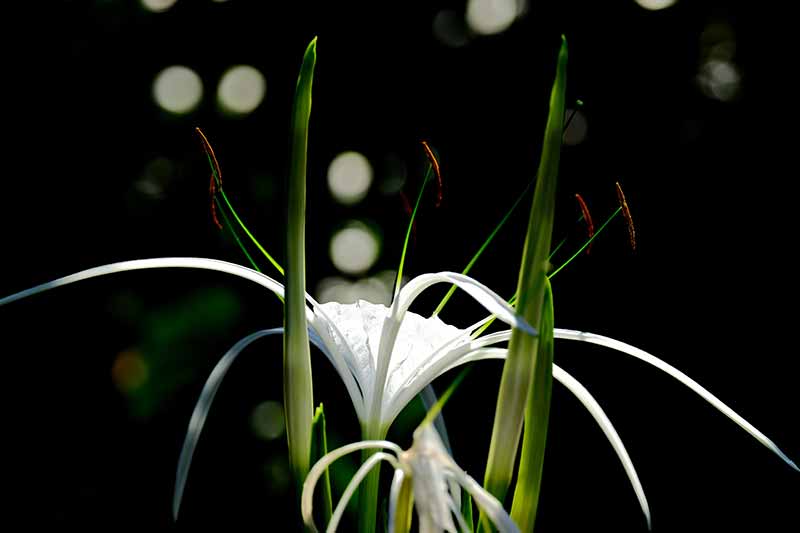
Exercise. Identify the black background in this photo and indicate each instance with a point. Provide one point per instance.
(710, 287)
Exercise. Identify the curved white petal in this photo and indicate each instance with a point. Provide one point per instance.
(340, 354)
(480, 292)
(455, 508)
(394, 495)
(429, 464)
(403, 386)
(307, 497)
(358, 477)
(143, 264)
(588, 401)
(488, 503)
(392, 324)
(201, 410)
(203, 405)
(680, 376)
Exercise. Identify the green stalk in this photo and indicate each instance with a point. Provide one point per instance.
(368, 491)
(298, 394)
(529, 476)
(521, 363)
(319, 447)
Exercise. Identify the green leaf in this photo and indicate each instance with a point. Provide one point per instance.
(319, 447)
(298, 394)
(466, 509)
(529, 476)
(521, 364)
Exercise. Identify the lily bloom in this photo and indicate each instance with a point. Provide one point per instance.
(386, 356)
(435, 481)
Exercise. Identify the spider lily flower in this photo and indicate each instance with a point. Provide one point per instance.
(424, 349)
(435, 486)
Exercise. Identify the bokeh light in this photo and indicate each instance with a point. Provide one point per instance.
(129, 371)
(349, 177)
(354, 248)
(157, 6)
(487, 17)
(267, 420)
(156, 177)
(341, 290)
(575, 132)
(655, 5)
(177, 89)
(450, 29)
(241, 89)
(719, 79)
(276, 470)
(393, 175)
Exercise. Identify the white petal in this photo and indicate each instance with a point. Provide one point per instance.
(358, 335)
(480, 292)
(419, 342)
(307, 497)
(428, 460)
(488, 503)
(404, 386)
(394, 495)
(339, 353)
(203, 406)
(358, 477)
(680, 376)
(162, 262)
(599, 415)
(201, 409)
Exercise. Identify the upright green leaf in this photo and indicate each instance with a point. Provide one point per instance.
(529, 475)
(298, 394)
(521, 364)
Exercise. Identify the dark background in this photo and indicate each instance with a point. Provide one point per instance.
(710, 287)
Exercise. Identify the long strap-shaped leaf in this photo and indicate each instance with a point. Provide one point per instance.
(529, 478)
(520, 366)
(298, 393)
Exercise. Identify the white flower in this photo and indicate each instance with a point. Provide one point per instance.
(434, 475)
(386, 356)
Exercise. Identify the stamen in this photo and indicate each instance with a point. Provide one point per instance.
(626, 212)
(436, 170)
(216, 176)
(409, 212)
(587, 217)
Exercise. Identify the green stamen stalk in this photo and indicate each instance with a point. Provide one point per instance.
(428, 175)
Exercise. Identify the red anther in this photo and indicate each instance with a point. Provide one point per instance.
(435, 165)
(216, 176)
(587, 217)
(626, 212)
